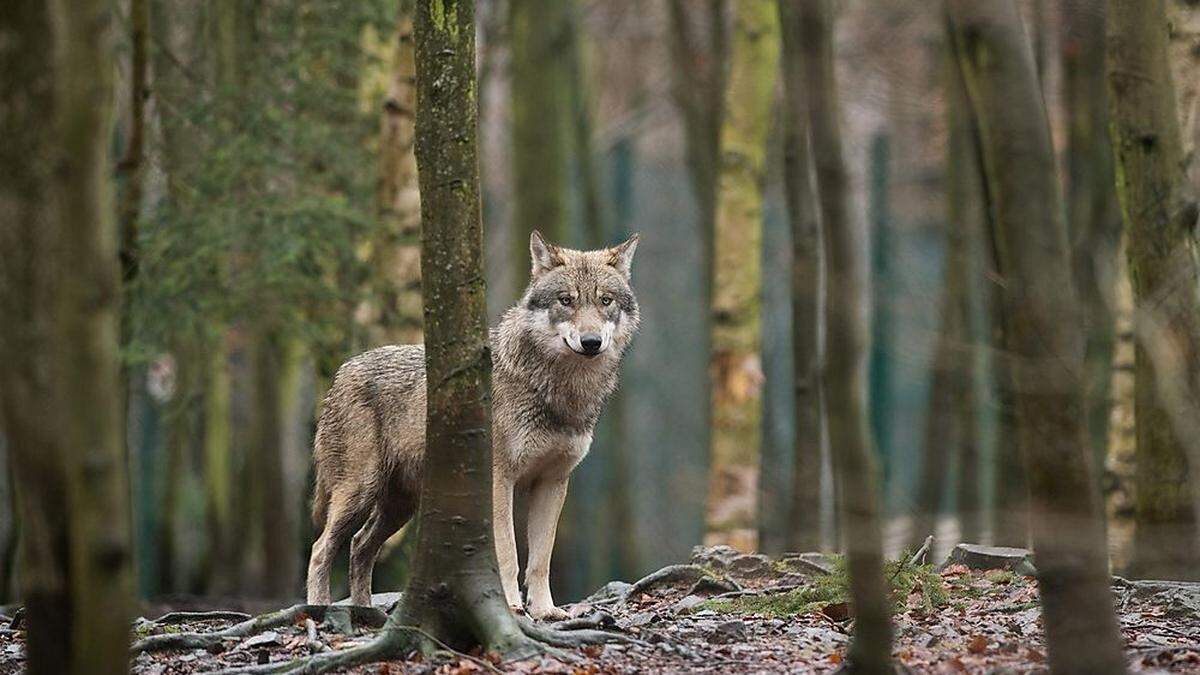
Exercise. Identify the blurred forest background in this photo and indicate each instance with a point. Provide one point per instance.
(267, 200)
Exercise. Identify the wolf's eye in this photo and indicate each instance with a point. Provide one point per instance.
(565, 300)
(606, 301)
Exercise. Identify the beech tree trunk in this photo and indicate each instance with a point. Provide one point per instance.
(802, 528)
(847, 303)
(59, 296)
(1159, 210)
(1043, 334)
(454, 592)
(736, 364)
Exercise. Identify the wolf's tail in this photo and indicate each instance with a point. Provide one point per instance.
(320, 504)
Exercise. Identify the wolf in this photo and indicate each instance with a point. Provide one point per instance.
(555, 360)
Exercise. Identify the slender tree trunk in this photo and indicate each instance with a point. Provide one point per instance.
(1043, 334)
(59, 338)
(699, 52)
(539, 32)
(699, 55)
(966, 218)
(848, 343)
(279, 530)
(1159, 210)
(1094, 220)
(395, 306)
(736, 364)
(218, 467)
(454, 597)
(802, 528)
(879, 359)
(181, 427)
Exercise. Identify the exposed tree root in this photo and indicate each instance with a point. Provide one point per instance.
(363, 615)
(573, 639)
(184, 617)
(395, 642)
(670, 574)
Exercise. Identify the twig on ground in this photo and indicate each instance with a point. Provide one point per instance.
(596, 620)
(918, 557)
(782, 588)
(313, 641)
(1158, 627)
(362, 615)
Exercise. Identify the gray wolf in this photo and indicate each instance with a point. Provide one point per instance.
(555, 357)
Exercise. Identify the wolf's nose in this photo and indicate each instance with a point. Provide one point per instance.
(590, 342)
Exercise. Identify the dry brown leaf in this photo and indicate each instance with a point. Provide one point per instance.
(977, 645)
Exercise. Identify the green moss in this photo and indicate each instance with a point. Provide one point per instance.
(834, 588)
(1000, 577)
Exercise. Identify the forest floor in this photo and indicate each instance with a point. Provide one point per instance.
(734, 613)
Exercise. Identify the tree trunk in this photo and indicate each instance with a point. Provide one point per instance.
(967, 222)
(1094, 220)
(699, 50)
(279, 530)
(1159, 212)
(394, 310)
(736, 365)
(454, 593)
(1044, 337)
(802, 528)
(59, 339)
(1184, 21)
(541, 119)
(218, 467)
(847, 345)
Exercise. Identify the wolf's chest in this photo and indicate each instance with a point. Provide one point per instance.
(533, 454)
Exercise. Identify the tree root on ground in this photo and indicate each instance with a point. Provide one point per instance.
(361, 615)
(667, 575)
(395, 642)
(184, 617)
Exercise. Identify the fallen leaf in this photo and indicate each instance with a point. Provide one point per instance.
(835, 658)
(838, 611)
(977, 645)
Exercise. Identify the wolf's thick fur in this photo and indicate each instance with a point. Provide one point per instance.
(554, 362)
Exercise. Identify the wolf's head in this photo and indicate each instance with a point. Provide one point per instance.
(579, 304)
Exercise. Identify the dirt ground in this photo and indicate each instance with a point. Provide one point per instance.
(732, 613)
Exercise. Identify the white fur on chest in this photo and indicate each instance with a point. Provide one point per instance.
(539, 454)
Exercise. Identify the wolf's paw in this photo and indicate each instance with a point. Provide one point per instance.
(547, 613)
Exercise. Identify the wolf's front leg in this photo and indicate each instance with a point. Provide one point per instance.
(506, 540)
(545, 504)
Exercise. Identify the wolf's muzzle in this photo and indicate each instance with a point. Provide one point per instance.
(591, 343)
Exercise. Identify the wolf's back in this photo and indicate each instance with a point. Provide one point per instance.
(369, 417)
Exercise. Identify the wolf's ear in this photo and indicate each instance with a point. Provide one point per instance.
(621, 256)
(544, 256)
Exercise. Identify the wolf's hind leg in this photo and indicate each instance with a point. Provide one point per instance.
(339, 522)
(545, 504)
(364, 549)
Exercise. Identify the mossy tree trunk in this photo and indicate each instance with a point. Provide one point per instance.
(847, 301)
(394, 310)
(736, 363)
(539, 47)
(454, 592)
(59, 339)
(1159, 211)
(1043, 334)
(801, 529)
